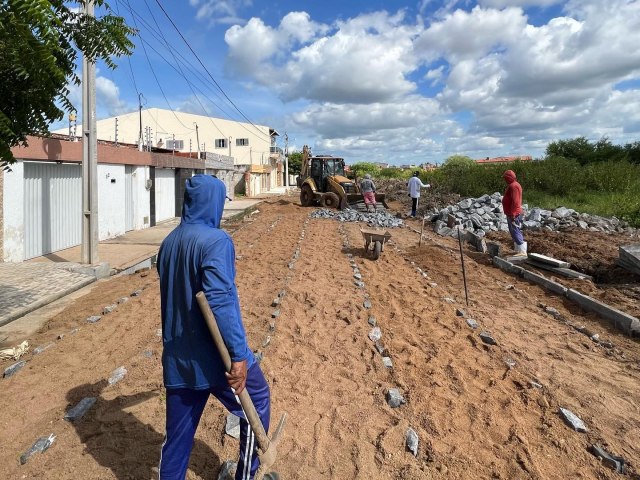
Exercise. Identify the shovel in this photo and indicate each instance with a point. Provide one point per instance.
(267, 448)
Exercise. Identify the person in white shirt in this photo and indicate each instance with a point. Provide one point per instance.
(414, 185)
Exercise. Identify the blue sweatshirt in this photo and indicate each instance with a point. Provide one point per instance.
(199, 256)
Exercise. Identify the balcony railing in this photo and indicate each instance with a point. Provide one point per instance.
(275, 150)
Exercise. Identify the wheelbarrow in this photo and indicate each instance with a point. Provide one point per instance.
(374, 241)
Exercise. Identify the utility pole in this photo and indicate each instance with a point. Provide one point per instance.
(197, 139)
(286, 160)
(140, 96)
(89, 158)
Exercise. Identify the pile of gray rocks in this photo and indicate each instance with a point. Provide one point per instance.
(484, 214)
(378, 219)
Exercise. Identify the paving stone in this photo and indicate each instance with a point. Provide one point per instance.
(267, 341)
(510, 362)
(367, 303)
(137, 293)
(412, 441)
(487, 338)
(394, 398)
(612, 461)
(494, 249)
(357, 276)
(459, 313)
(275, 314)
(448, 300)
(228, 470)
(77, 412)
(109, 309)
(380, 347)
(272, 326)
(42, 348)
(94, 318)
(359, 284)
(40, 445)
(386, 361)
(123, 300)
(372, 321)
(573, 420)
(375, 334)
(276, 302)
(232, 427)
(12, 369)
(472, 323)
(117, 375)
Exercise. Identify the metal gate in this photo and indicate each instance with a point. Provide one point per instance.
(52, 208)
(165, 194)
(129, 198)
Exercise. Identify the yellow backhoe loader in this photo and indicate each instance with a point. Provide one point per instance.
(322, 180)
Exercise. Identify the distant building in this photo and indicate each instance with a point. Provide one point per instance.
(514, 158)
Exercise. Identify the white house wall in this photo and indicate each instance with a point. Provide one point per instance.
(141, 214)
(165, 194)
(13, 205)
(111, 201)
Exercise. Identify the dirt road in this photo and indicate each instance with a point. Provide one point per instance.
(476, 416)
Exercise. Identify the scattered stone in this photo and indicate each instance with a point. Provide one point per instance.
(267, 341)
(487, 338)
(433, 284)
(535, 384)
(109, 309)
(372, 321)
(380, 347)
(367, 303)
(276, 302)
(94, 318)
(258, 356)
(282, 293)
(357, 276)
(375, 219)
(573, 420)
(359, 284)
(509, 287)
(147, 353)
(77, 412)
(12, 369)
(159, 332)
(232, 427)
(595, 337)
(412, 441)
(275, 314)
(61, 336)
(395, 398)
(272, 326)
(449, 300)
(42, 348)
(123, 300)
(375, 334)
(459, 313)
(386, 361)
(612, 461)
(137, 293)
(117, 375)
(228, 470)
(472, 323)
(510, 362)
(42, 444)
(74, 331)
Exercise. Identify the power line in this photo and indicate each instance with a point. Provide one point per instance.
(205, 68)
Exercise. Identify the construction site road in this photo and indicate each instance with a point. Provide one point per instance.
(308, 292)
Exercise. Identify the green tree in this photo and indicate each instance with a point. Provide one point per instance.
(457, 161)
(362, 168)
(295, 163)
(40, 41)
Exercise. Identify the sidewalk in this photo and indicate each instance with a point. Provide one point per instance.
(27, 286)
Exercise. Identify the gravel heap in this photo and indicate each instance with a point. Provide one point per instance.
(484, 214)
(377, 219)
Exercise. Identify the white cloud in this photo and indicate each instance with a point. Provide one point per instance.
(365, 59)
(220, 11)
(108, 97)
(518, 3)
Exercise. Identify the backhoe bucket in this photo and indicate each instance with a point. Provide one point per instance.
(356, 201)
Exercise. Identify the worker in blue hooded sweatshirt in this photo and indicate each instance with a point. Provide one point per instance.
(199, 256)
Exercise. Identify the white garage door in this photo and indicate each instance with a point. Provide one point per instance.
(52, 207)
(165, 194)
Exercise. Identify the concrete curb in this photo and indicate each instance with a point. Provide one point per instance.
(626, 323)
(46, 300)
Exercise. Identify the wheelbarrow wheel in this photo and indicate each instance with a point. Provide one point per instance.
(377, 248)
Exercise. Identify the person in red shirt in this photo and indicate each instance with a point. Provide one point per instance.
(512, 207)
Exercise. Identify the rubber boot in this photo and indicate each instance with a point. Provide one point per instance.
(521, 250)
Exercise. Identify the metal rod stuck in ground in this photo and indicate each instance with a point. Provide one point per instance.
(464, 273)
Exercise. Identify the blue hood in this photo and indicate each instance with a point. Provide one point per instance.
(204, 198)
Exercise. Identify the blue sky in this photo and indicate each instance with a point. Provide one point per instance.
(395, 81)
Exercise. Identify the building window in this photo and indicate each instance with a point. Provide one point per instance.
(175, 144)
(242, 142)
(221, 143)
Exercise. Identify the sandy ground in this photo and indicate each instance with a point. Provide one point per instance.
(475, 416)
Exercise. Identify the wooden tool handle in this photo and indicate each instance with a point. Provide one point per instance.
(245, 400)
